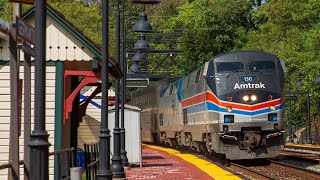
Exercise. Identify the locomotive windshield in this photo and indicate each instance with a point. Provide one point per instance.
(226, 67)
(261, 66)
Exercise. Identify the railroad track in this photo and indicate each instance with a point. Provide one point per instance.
(295, 171)
(249, 172)
(301, 155)
(271, 169)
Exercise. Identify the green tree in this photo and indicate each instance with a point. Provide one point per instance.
(210, 27)
(290, 29)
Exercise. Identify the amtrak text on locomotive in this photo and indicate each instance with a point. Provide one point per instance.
(249, 86)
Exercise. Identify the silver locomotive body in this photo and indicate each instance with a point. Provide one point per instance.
(231, 106)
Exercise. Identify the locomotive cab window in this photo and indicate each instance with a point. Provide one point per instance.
(258, 66)
(229, 67)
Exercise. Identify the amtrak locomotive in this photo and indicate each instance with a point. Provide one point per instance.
(232, 105)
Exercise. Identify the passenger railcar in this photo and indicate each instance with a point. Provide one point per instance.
(232, 105)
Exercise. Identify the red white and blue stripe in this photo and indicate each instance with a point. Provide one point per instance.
(207, 101)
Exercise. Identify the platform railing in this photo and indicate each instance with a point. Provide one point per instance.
(69, 162)
(92, 158)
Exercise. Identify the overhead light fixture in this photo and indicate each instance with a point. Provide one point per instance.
(142, 44)
(138, 57)
(143, 25)
(135, 68)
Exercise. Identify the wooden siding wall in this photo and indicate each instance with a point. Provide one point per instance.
(5, 115)
(61, 44)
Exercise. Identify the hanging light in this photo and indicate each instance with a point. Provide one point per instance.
(145, 1)
(142, 44)
(138, 57)
(135, 68)
(143, 25)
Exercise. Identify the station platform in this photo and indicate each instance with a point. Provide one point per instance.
(165, 163)
(303, 146)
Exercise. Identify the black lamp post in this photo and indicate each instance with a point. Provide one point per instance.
(116, 165)
(123, 151)
(104, 163)
(39, 145)
(141, 26)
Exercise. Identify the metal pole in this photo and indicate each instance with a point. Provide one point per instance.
(290, 123)
(104, 152)
(27, 114)
(116, 166)
(123, 91)
(13, 172)
(309, 141)
(39, 144)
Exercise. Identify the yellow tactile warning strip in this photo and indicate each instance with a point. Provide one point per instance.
(212, 170)
(302, 145)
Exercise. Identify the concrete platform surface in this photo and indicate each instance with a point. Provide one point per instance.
(165, 163)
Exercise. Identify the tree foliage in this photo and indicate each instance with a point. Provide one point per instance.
(203, 28)
(290, 29)
(209, 27)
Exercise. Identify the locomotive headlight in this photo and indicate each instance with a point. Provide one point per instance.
(228, 109)
(272, 107)
(253, 98)
(245, 98)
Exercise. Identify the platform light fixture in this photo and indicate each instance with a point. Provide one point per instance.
(143, 25)
(142, 44)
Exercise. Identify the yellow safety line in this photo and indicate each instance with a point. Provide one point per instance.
(302, 145)
(212, 170)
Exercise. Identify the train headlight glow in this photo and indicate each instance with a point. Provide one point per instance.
(272, 107)
(253, 98)
(228, 109)
(245, 98)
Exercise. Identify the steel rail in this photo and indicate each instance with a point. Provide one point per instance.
(298, 169)
(248, 171)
